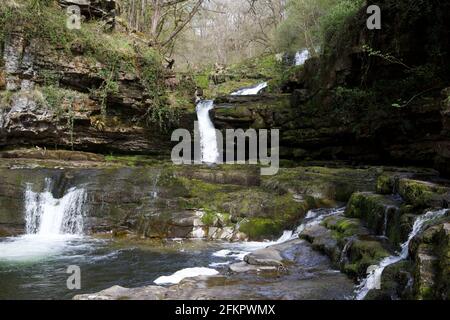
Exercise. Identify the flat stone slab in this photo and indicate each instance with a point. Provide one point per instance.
(121, 293)
(244, 267)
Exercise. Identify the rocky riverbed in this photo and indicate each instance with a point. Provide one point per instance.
(324, 254)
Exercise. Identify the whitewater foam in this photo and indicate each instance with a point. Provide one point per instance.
(373, 279)
(178, 276)
(250, 91)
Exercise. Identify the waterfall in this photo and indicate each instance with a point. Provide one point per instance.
(315, 217)
(239, 250)
(250, 91)
(373, 279)
(51, 225)
(47, 216)
(301, 57)
(208, 139)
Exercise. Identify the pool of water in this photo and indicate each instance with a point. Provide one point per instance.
(35, 268)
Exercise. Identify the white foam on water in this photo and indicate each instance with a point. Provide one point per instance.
(373, 279)
(208, 138)
(29, 248)
(250, 91)
(219, 264)
(178, 276)
(315, 217)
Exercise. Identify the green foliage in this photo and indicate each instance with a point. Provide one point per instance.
(332, 25)
(301, 27)
(385, 56)
(313, 23)
(5, 98)
(351, 99)
(61, 102)
(114, 53)
(109, 87)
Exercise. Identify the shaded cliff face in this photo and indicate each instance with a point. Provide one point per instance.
(376, 96)
(82, 89)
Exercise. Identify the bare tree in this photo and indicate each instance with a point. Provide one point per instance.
(161, 20)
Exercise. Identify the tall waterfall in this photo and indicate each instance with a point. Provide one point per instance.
(47, 216)
(250, 91)
(208, 139)
(373, 279)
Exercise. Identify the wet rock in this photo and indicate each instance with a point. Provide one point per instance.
(264, 257)
(120, 293)
(362, 254)
(396, 283)
(243, 267)
(322, 239)
(376, 210)
(423, 194)
(426, 270)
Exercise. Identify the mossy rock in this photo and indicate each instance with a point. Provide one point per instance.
(395, 283)
(322, 182)
(261, 228)
(362, 254)
(443, 253)
(372, 208)
(385, 184)
(345, 227)
(422, 194)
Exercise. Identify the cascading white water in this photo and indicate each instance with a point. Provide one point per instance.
(250, 91)
(239, 251)
(373, 279)
(315, 217)
(50, 224)
(208, 138)
(47, 216)
(301, 57)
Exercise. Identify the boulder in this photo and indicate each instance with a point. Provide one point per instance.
(120, 293)
(264, 257)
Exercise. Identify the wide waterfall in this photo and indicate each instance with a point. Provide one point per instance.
(208, 138)
(251, 90)
(50, 224)
(373, 279)
(47, 216)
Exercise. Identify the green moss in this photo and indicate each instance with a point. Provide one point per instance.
(112, 53)
(371, 208)
(261, 228)
(364, 254)
(6, 98)
(419, 193)
(385, 184)
(344, 227)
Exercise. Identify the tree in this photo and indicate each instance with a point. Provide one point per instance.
(161, 20)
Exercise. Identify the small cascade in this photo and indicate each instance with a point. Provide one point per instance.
(373, 279)
(301, 57)
(154, 192)
(386, 219)
(239, 251)
(343, 259)
(47, 216)
(315, 217)
(250, 91)
(51, 225)
(208, 139)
